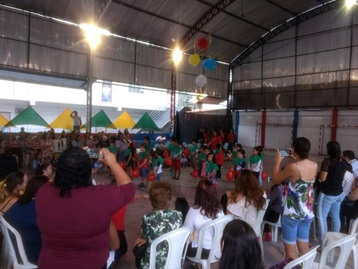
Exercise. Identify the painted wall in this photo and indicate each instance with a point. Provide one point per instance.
(315, 125)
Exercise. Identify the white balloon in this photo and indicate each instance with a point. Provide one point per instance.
(201, 81)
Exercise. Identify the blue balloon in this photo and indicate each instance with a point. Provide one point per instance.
(209, 64)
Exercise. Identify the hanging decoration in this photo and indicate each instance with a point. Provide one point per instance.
(201, 81)
(209, 64)
(202, 43)
(194, 59)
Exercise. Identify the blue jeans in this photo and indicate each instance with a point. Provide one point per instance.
(328, 204)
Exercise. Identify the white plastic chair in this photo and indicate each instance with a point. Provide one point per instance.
(178, 241)
(258, 224)
(334, 236)
(275, 226)
(215, 250)
(345, 244)
(13, 261)
(305, 260)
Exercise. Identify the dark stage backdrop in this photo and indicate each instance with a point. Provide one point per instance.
(187, 124)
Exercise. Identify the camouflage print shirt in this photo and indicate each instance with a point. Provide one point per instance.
(155, 224)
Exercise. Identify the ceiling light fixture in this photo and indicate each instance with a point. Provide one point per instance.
(350, 3)
(93, 34)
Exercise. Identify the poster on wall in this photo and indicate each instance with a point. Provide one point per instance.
(107, 91)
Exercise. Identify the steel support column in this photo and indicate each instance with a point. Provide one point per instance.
(89, 90)
(172, 97)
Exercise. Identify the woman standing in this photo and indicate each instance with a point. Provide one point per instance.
(74, 216)
(331, 191)
(297, 215)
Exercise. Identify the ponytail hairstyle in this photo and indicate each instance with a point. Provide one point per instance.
(259, 149)
(10, 183)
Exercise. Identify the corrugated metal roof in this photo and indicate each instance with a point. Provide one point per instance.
(232, 28)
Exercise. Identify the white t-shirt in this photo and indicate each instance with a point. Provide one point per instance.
(347, 182)
(194, 219)
(354, 164)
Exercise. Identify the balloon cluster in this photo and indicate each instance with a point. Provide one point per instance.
(208, 64)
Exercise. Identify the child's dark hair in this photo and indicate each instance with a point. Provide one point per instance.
(242, 152)
(159, 152)
(211, 153)
(194, 140)
(238, 145)
(259, 149)
(218, 146)
(143, 145)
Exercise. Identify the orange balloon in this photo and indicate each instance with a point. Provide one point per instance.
(264, 175)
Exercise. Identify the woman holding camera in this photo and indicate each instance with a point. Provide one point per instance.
(74, 216)
(297, 215)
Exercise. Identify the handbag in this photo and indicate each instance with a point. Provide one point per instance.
(139, 251)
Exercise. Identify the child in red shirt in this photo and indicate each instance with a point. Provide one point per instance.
(219, 159)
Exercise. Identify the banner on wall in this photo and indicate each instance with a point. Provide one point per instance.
(107, 91)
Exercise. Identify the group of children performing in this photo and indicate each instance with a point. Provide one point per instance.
(149, 161)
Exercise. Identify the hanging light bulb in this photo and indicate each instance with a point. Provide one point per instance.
(350, 3)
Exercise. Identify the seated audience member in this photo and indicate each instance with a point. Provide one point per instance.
(11, 188)
(158, 222)
(22, 216)
(74, 216)
(206, 208)
(274, 209)
(45, 169)
(8, 164)
(246, 198)
(240, 249)
(348, 179)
